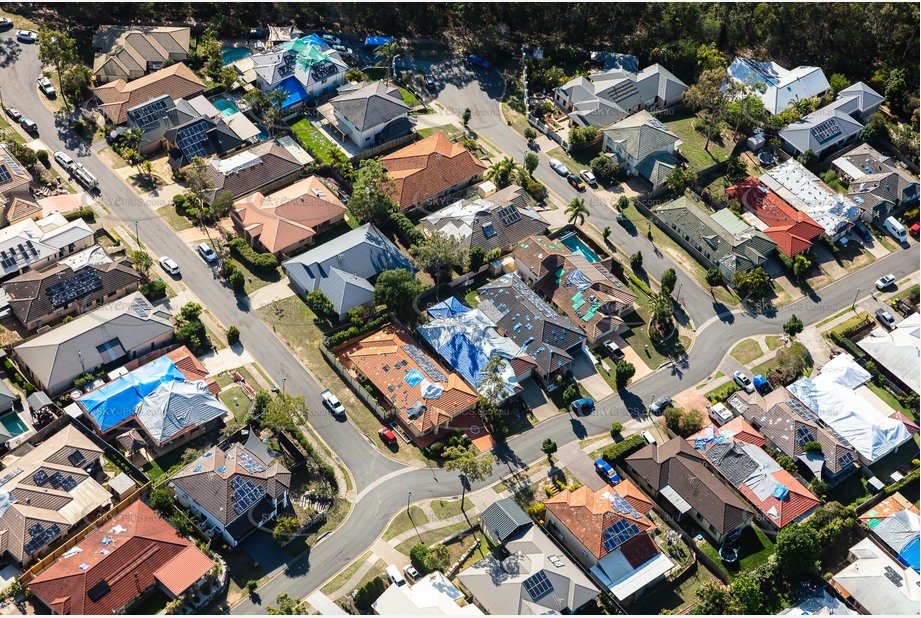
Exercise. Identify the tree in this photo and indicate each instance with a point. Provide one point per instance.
(199, 186)
(715, 599)
(227, 78)
(549, 448)
(145, 167)
(808, 158)
(182, 524)
(793, 326)
(812, 447)
(287, 606)
(286, 526)
(877, 127)
(476, 258)
(221, 204)
(684, 423)
(251, 586)
(233, 335)
(319, 303)
(712, 93)
(751, 283)
(439, 254)
(736, 168)
(748, 594)
(680, 179)
(837, 83)
(386, 54)
(396, 289)
(668, 281)
(531, 161)
(797, 551)
(260, 402)
(801, 264)
(708, 57)
(208, 52)
(467, 460)
(372, 193)
(606, 233)
(283, 410)
(623, 372)
(623, 203)
(636, 261)
(582, 135)
(662, 310)
(896, 85)
(161, 501)
(141, 260)
(605, 169)
(713, 277)
(77, 82)
(530, 134)
(23, 154)
(577, 210)
(502, 172)
(189, 312)
(58, 49)
(356, 75)
(492, 390)
(466, 116)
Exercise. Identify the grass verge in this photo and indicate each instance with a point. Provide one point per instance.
(746, 351)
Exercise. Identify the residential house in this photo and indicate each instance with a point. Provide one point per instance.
(139, 553)
(424, 397)
(428, 170)
(114, 333)
(233, 490)
(535, 578)
(896, 524)
(582, 288)
(307, 69)
(12, 211)
(608, 531)
(286, 221)
(502, 520)
(792, 231)
(36, 243)
(677, 475)
(600, 99)
(818, 602)
(74, 285)
(779, 88)
(520, 314)
(15, 179)
(788, 426)
(735, 451)
(130, 52)
(734, 249)
(644, 146)
(895, 353)
(265, 167)
(7, 399)
(370, 114)
(876, 584)
(803, 190)
(343, 269)
(46, 492)
(431, 595)
(829, 128)
(497, 221)
(118, 96)
(876, 183)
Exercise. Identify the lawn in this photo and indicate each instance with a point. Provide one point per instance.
(223, 379)
(754, 550)
(448, 130)
(404, 521)
(236, 401)
(471, 298)
(693, 142)
(409, 98)
(446, 509)
(345, 575)
(890, 399)
(9, 134)
(311, 137)
(175, 220)
(857, 319)
(851, 491)
(433, 536)
(256, 279)
(746, 351)
(773, 342)
(766, 366)
(638, 337)
(571, 164)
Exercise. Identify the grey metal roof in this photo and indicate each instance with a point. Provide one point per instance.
(176, 406)
(641, 135)
(36, 400)
(504, 518)
(371, 105)
(732, 461)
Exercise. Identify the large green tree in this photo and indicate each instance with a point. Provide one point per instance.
(58, 49)
(577, 212)
(712, 94)
(438, 254)
(797, 551)
(397, 289)
(502, 172)
(468, 461)
(372, 193)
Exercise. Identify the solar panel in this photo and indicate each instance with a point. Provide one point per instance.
(622, 506)
(508, 215)
(538, 586)
(618, 534)
(56, 479)
(5, 175)
(802, 410)
(250, 465)
(321, 71)
(826, 131)
(40, 477)
(623, 90)
(245, 493)
(11, 162)
(191, 139)
(424, 362)
(148, 113)
(40, 536)
(845, 460)
(804, 435)
(86, 281)
(9, 476)
(76, 459)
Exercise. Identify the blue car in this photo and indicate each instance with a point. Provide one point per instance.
(476, 61)
(586, 404)
(607, 472)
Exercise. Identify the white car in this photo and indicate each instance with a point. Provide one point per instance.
(884, 282)
(744, 381)
(588, 177)
(332, 402)
(5, 22)
(332, 40)
(169, 265)
(27, 36)
(64, 159)
(557, 166)
(44, 84)
(206, 252)
(342, 49)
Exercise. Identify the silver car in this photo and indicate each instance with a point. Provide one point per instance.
(743, 381)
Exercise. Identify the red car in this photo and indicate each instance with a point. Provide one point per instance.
(387, 436)
(915, 229)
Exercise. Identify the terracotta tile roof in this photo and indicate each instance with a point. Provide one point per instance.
(19, 209)
(895, 503)
(391, 360)
(639, 550)
(192, 368)
(737, 429)
(146, 551)
(792, 230)
(178, 81)
(428, 167)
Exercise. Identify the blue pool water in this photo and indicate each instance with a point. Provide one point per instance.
(232, 54)
(575, 244)
(225, 106)
(13, 424)
(263, 133)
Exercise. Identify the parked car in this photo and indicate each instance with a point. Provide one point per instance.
(411, 572)
(588, 177)
(332, 402)
(476, 61)
(606, 471)
(884, 282)
(331, 39)
(393, 574)
(743, 381)
(896, 229)
(623, 220)
(5, 23)
(63, 159)
(13, 113)
(83, 176)
(169, 265)
(613, 350)
(430, 82)
(863, 232)
(28, 124)
(650, 439)
(586, 404)
(206, 252)
(387, 436)
(575, 182)
(660, 404)
(27, 36)
(885, 318)
(558, 167)
(342, 49)
(44, 84)
(256, 33)
(915, 229)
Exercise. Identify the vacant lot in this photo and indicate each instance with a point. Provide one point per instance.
(693, 142)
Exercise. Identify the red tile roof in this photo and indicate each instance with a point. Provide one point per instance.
(797, 503)
(192, 368)
(738, 428)
(428, 167)
(117, 97)
(792, 230)
(147, 551)
(895, 503)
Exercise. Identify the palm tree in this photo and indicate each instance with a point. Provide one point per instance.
(661, 308)
(501, 172)
(387, 52)
(577, 210)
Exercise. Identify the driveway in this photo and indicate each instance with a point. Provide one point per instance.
(261, 548)
(574, 459)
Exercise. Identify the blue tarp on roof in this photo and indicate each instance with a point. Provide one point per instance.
(910, 555)
(466, 358)
(114, 402)
(447, 308)
(377, 41)
(315, 39)
(296, 92)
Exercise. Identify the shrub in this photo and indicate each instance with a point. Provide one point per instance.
(724, 393)
(233, 335)
(636, 260)
(793, 326)
(81, 213)
(237, 281)
(342, 336)
(533, 187)
(605, 169)
(579, 136)
(639, 283)
(153, 290)
(42, 155)
(617, 452)
(251, 586)
(408, 233)
(179, 201)
(252, 258)
(571, 394)
(683, 423)
(623, 372)
(616, 428)
(319, 303)
(536, 511)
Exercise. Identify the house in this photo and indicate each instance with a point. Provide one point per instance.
(896, 352)
(430, 169)
(7, 399)
(201, 138)
(432, 595)
(15, 179)
(497, 221)
(520, 314)
(677, 475)
(896, 524)
(875, 183)
(803, 190)
(74, 285)
(834, 395)
(140, 552)
(818, 602)
(535, 578)
(643, 145)
(287, 220)
(779, 88)
(829, 128)
(18, 209)
(609, 532)
(733, 249)
(735, 451)
(792, 231)
(601, 99)
(502, 520)
(116, 332)
(343, 269)
(586, 291)
(876, 584)
(306, 69)
(788, 426)
(46, 492)
(467, 340)
(130, 52)
(265, 167)
(234, 490)
(32, 244)
(424, 397)
(370, 114)
(118, 96)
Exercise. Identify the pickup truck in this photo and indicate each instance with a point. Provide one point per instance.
(332, 402)
(607, 472)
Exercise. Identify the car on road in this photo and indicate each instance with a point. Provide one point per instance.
(660, 404)
(388, 437)
(608, 473)
(476, 61)
(411, 572)
(884, 282)
(13, 113)
(169, 265)
(206, 252)
(332, 402)
(586, 404)
(63, 160)
(557, 166)
(28, 124)
(27, 36)
(743, 381)
(332, 39)
(588, 177)
(44, 84)
(885, 318)
(575, 182)
(83, 176)
(5, 23)
(342, 49)
(623, 220)
(430, 82)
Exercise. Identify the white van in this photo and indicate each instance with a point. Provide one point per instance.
(394, 575)
(83, 176)
(649, 439)
(896, 229)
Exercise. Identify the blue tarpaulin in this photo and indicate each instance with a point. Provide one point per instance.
(465, 357)
(377, 41)
(447, 308)
(414, 377)
(759, 381)
(296, 92)
(315, 39)
(780, 492)
(910, 555)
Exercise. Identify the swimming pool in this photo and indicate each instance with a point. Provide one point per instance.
(575, 244)
(225, 106)
(263, 133)
(13, 424)
(232, 54)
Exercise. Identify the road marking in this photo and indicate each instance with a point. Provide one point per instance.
(382, 480)
(719, 316)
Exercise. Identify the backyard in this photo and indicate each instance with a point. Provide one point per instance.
(676, 598)
(311, 137)
(236, 401)
(693, 141)
(754, 550)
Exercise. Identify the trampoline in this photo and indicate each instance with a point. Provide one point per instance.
(766, 158)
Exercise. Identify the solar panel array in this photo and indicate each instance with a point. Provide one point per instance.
(802, 410)
(424, 362)
(826, 131)
(324, 70)
(245, 494)
(9, 476)
(618, 534)
(623, 90)
(148, 113)
(250, 465)
(39, 536)
(8, 257)
(508, 215)
(804, 435)
(845, 460)
(5, 175)
(191, 139)
(10, 161)
(538, 586)
(84, 282)
(622, 506)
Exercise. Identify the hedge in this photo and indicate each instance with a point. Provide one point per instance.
(847, 344)
(251, 257)
(86, 212)
(407, 232)
(639, 283)
(909, 479)
(623, 449)
(353, 331)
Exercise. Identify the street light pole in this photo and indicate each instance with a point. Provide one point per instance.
(408, 496)
(678, 296)
(853, 304)
(137, 234)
